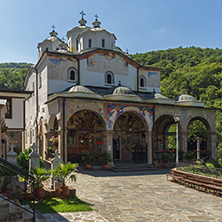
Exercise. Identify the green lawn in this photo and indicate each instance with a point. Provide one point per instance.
(55, 204)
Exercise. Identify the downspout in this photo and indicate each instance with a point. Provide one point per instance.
(63, 123)
(37, 107)
(137, 80)
(78, 83)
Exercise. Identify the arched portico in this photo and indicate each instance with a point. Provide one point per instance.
(129, 138)
(85, 132)
(162, 133)
(199, 132)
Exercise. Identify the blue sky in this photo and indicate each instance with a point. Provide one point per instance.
(140, 26)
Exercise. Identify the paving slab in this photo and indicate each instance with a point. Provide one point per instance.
(144, 196)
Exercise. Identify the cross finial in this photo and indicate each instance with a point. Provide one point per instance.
(57, 154)
(34, 147)
(96, 16)
(11, 146)
(53, 27)
(82, 13)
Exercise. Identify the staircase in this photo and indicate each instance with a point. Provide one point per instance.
(127, 167)
(13, 211)
(10, 206)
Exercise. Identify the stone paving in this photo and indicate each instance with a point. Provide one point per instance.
(90, 216)
(144, 196)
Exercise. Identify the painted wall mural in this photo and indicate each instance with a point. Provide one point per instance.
(107, 62)
(115, 110)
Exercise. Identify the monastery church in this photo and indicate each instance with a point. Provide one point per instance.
(89, 95)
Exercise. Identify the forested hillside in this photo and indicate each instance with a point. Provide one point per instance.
(12, 75)
(193, 71)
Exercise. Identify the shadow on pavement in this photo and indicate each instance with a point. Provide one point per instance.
(109, 173)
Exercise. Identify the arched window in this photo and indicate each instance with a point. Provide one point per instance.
(103, 43)
(90, 43)
(109, 78)
(72, 74)
(142, 81)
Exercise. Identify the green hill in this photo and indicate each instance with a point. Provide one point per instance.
(193, 71)
(12, 75)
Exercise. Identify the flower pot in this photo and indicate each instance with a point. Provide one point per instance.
(88, 166)
(105, 166)
(64, 192)
(39, 193)
(165, 165)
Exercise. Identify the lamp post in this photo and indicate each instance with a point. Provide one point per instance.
(177, 120)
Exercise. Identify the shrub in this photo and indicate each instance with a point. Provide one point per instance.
(23, 160)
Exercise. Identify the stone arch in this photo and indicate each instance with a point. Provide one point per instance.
(85, 132)
(114, 111)
(201, 138)
(51, 122)
(71, 112)
(129, 139)
(160, 132)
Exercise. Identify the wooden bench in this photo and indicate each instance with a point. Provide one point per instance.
(199, 182)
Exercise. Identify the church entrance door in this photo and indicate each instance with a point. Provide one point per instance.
(129, 143)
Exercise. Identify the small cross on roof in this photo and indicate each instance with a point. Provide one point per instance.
(53, 27)
(82, 13)
(96, 16)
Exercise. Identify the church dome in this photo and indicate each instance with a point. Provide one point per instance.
(185, 98)
(159, 96)
(80, 89)
(120, 90)
(188, 100)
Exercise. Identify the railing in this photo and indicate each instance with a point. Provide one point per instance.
(10, 171)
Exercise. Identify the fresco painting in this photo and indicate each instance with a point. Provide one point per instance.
(115, 110)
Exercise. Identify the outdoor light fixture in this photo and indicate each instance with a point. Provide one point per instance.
(177, 120)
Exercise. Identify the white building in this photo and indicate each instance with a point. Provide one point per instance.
(94, 97)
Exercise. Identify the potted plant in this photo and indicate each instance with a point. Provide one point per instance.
(40, 174)
(64, 172)
(105, 159)
(88, 158)
(190, 155)
(165, 157)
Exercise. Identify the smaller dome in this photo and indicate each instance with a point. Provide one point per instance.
(120, 90)
(185, 98)
(80, 89)
(159, 96)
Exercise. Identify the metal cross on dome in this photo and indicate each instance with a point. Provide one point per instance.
(82, 13)
(53, 27)
(96, 16)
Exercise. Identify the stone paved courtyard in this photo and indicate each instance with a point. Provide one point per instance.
(145, 196)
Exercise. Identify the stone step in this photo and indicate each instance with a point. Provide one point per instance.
(131, 169)
(11, 212)
(121, 167)
(26, 215)
(4, 212)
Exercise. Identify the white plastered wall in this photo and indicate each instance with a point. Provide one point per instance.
(96, 77)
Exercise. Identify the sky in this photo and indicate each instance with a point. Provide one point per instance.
(139, 25)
